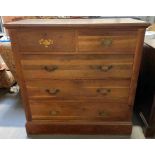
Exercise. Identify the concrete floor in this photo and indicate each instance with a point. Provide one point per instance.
(12, 123)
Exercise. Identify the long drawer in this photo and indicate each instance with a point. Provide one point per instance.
(77, 66)
(79, 110)
(107, 90)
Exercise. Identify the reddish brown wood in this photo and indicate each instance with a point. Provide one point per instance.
(106, 23)
(98, 110)
(77, 66)
(118, 128)
(34, 40)
(94, 89)
(136, 66)
(95, 40)
(93, 84)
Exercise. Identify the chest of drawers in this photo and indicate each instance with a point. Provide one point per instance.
(78, 76)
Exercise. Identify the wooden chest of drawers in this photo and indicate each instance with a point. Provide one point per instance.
(78, 76)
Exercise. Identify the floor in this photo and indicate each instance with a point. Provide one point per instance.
(12, 123)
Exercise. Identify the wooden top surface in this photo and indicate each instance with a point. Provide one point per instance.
(77, 22)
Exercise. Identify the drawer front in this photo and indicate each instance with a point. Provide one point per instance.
(32, 41)
(77, 66)
(107, 90)
(80, 110)
(107, 41)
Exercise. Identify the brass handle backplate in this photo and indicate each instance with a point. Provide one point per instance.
(51, 68)
(106, 42)
(53, 91)
(53, 112)
(103, 68)
(103, 91)
(46, 42)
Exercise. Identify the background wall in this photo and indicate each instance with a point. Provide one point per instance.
(150, 19)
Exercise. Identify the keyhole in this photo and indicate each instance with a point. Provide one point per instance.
(45, 34)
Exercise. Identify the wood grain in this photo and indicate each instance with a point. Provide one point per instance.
(121, 41)
(78, 89)
(75, 110)
(136, 66)
(77, 67)
(106, 23)
(62, 40)
(81, 78)
(38, 127)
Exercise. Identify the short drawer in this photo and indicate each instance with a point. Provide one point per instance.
(107, 90)
(77, 66)
(47, 40)
(107, 41)
(80, 110)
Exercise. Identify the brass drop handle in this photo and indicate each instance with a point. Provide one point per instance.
(53, 91)
(103, 68)
(103, 91)
(103, 114)
(106, 42)
(53, 112)
(50, 68)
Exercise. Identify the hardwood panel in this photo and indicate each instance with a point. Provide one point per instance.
(78, 110)
(118, 71)
(48, 40)
(77, 67)
(121, 23)
(63, 59)
(82, 58)
(107, 41)
(42, 127)
(78, 89)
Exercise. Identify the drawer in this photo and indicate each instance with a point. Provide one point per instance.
(77, 66)
(47, 40)
(107, 41)
(79, 110)
(107, 90)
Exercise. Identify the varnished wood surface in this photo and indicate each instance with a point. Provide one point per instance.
(77, 23)
(37, 127)
(87, 41)
(95, 40)
(76, 41)
(77, 89)
(136, 66)
(77, 67)
(75, 110)
(62, 40)
(82, 70)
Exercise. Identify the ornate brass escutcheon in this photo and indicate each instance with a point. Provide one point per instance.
(46, 42)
